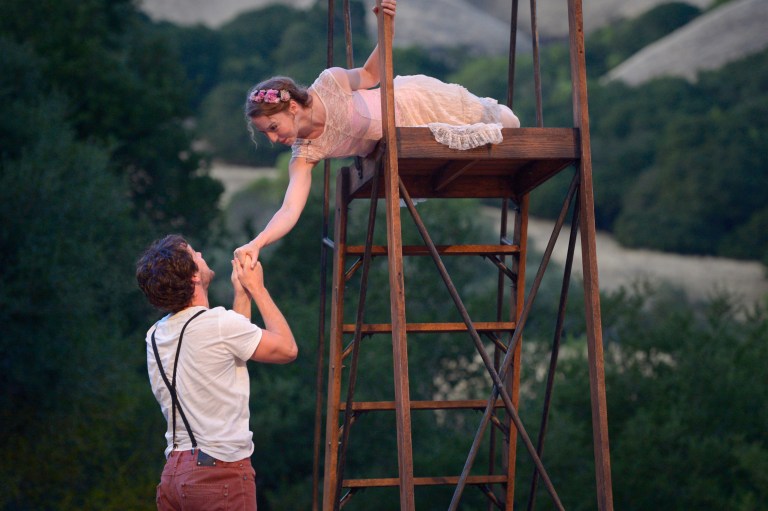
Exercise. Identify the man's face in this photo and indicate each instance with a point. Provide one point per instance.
(203, 271)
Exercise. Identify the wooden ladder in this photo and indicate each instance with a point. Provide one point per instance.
(410, 163)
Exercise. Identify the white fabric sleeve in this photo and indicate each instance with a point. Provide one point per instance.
(239, 334)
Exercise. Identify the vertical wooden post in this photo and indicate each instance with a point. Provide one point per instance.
(395, 259)
(520, 238)
(589, 261)
(335, 363)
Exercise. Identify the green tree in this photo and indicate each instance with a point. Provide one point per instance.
(94, 161)
(611, 45)
(683, 382)
(710, 179)
(223, 124)
(200, 52)
(125, 91)
(72, 393)
(680, 379)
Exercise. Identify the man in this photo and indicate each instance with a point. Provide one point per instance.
(196, 359)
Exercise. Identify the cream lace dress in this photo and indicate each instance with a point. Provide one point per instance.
(456, 117)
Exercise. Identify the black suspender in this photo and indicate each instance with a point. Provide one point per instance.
(172, 384)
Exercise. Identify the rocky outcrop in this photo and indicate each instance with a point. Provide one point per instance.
(482, 25)
(730, 32)
(552, 15)
(727, 33)
(207, 12)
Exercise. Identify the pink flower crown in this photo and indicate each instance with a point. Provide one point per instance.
(270, 96)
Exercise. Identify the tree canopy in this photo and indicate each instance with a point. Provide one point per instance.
(95, 160)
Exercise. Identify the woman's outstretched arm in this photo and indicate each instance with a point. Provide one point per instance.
(299, 184)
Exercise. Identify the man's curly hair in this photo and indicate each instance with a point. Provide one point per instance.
(164, 273)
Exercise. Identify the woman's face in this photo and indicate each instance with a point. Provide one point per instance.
(279, 127)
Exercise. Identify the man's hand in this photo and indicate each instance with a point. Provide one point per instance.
(249, 276)
(242, 299)
(236, 284)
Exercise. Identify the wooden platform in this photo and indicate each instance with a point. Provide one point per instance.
(526, 158)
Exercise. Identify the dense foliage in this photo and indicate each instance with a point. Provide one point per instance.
(125, 92)
(97, 158)
(681, 392)
(94, 162)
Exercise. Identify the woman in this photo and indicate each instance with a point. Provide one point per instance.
(340, 116)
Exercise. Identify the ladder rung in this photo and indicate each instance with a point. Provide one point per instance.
(422, 250)
(423, 481)
(465, 404)
(384, 328)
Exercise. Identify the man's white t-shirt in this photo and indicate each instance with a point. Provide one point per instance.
(212, 381)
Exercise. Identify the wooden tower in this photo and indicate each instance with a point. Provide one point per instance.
(410, 163)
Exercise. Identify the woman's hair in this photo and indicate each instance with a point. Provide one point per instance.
(256, 105)
(164, 273)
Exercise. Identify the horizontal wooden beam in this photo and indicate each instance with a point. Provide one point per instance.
(423, 481)
(421, 250)
(383, 406)
(384, 328)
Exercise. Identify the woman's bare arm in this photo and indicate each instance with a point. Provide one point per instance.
(367, 76)
(285, 218)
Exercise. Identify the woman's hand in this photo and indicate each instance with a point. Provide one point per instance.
(249, 252)
(388, 6)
